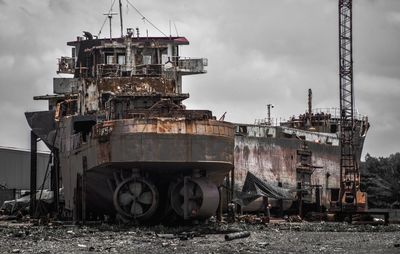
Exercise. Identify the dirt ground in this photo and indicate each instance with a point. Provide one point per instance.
(271, 238)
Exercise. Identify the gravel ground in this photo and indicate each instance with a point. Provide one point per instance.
(272, 238)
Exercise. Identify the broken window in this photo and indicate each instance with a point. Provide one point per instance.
(84, 127)
(164, 58)
(109, 59)
(66, 108)
(241, 129)
(335, 195)
(121, 59)
(333, 128)
(146, 59)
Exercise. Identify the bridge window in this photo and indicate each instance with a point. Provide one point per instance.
(146, 59)
(121, 59)
(109, 59)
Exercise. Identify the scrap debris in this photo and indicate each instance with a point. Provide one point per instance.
(233, 236)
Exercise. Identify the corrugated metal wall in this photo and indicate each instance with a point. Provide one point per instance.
(15, 169)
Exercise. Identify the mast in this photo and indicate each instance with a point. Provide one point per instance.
(309, 118)
(269, 106)
(309, 102)
(120, 19)
(109, 15)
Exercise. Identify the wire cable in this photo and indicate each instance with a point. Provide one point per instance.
(105, 20)
(144, 18)
(176, 29)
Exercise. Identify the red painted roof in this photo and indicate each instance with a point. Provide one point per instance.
(177, 40)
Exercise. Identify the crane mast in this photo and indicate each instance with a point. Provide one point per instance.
(349, 169)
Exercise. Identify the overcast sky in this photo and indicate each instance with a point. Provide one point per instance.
(259, 52)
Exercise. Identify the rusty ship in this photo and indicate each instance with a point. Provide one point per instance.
(126, 145)
(300, 156)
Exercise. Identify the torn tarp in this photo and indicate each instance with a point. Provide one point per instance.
(12, 207)
(254, 188)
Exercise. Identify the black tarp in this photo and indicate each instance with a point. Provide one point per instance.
(254, 188)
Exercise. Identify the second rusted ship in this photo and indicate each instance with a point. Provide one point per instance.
(300, 156)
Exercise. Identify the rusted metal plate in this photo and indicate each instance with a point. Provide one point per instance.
(170, 126)
(133, 85)
(275, 160)
(154, 145)
(65, 85)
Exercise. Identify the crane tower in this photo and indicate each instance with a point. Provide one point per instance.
(350, 193)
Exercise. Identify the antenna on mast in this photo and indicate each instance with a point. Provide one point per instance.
(120, 19)
(169, 28)
(109, 15)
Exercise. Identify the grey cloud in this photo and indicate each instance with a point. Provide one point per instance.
(260, 51)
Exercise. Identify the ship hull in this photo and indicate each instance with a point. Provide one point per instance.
(273, 156)
(93, 170)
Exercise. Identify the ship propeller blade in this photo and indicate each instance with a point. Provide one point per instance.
(136, 208)
(135, 188)
(190, 186)
(198, 194)
(146, 198)
(125, 198)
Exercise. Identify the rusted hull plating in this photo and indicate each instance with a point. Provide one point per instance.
(275, 159)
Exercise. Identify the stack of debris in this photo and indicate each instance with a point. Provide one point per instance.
(17, 208)
(254, 219)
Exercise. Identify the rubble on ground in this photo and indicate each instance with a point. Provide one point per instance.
(280, 237)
